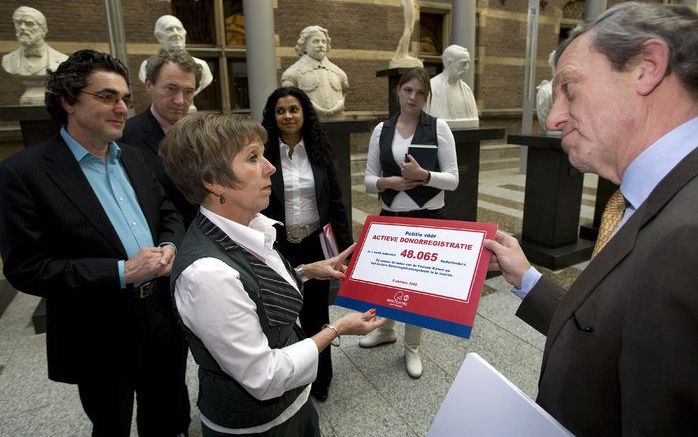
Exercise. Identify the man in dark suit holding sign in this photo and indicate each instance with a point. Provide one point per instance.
(85, 224)
(621, 355)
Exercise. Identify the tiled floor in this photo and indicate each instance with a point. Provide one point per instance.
(371, 394)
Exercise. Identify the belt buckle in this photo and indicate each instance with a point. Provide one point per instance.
(145, 290)
(291, 239)
(296, 233)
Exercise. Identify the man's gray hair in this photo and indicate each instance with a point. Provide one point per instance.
(620, 32)
(305, 34)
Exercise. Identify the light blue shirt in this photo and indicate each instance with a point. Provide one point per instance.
(113, 189)
(640, 178)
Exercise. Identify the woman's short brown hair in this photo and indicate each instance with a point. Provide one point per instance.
(200, 148)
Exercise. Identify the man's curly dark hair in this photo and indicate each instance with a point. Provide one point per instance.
(316, 143)
(71, 77)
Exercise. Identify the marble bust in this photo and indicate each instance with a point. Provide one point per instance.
(34, 56)
(171, 35)
(324, 82)
(451, 98)
(544, 94)
(402, 57)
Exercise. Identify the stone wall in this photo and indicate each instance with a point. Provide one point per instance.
(364, 36)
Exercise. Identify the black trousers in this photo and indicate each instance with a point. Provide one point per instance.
(305, 423)
(316, 299)
(155, 373)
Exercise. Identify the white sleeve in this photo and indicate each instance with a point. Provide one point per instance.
(214, 305)
(447, 178)
(373, 161)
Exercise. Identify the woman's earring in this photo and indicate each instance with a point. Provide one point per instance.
(221, 199)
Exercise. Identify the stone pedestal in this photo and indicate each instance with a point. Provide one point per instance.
(604, 190)
(461, 204)
(393, 75)
(35, 88)
(552, 204)
(37, 126)
(35, 122)
(339, 135)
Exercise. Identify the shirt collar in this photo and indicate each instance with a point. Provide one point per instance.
(81, 152)
(285, 147)
(649, 168)
(164, 124)
(258, 237)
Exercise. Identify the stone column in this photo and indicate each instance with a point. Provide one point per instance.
(463, 23)
(115, 25)
(594, 8)
(261, 53)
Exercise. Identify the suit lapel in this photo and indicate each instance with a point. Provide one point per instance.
(277, 179)
(319, 175)
(65, 171)
(622, 244)
(152, 131)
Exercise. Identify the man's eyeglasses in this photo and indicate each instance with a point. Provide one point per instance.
(110, 98)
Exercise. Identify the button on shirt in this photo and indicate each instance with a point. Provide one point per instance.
(113, 189)
(641, 177)
(299, 186)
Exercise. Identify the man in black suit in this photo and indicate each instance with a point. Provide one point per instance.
(171, 81)
(621, 356)
(85, 224)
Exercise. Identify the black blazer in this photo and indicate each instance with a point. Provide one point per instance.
(621, 355)
(57, 242)
(144, 131)
(329, 199)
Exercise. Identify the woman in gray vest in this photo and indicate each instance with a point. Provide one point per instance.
(237, 297)
(409, 186)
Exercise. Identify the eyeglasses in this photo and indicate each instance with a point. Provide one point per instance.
(110, 98)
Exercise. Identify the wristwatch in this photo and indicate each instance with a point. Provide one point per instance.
(300, 271)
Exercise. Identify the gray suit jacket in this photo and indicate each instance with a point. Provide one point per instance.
(622, 350)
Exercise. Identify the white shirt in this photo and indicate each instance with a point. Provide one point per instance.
(214, 305)
(446, 179)
(299, 186)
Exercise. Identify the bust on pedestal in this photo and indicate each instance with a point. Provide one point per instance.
(451, 98)
(33, 57)
(171, 35)
(324, 82)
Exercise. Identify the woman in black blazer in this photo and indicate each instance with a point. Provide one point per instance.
(305, 197)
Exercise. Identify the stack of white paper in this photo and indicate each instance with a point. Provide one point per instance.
(483, 403)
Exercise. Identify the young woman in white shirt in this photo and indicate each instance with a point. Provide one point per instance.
(406, 188)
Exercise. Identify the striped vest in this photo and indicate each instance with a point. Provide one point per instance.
(221, 399)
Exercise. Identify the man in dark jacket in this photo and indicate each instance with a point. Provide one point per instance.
(171, 81)
(85, 224)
